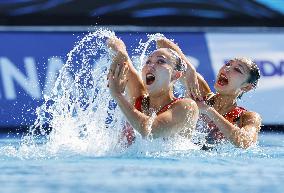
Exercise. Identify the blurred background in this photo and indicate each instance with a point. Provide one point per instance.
(36, 35)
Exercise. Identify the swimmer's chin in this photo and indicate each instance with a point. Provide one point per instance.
(150, 89)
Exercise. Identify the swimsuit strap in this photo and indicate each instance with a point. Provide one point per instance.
(139, 101)
(166, 107)
(235, 114)
(142, 102)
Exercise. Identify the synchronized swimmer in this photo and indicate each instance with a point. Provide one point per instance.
(154, 94)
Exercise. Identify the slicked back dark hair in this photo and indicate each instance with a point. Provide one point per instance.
(254, 72)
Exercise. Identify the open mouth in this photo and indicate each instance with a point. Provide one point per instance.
(150, 78)
(223, 80)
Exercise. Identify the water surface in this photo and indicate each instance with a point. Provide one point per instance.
(227, 169)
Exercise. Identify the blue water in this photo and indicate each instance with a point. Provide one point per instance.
(227, 169)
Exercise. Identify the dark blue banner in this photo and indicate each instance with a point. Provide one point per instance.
(30, 62)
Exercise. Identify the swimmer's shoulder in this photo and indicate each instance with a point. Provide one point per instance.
(185, 104)
(251, 118)
(250, 115)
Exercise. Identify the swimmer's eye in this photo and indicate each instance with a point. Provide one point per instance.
(148, 62)
(161, 61)
(238, 70)
(228, 64)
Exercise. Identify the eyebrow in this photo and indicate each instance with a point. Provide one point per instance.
(162, 56)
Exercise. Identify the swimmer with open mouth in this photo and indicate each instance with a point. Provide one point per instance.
(151, 94)
(225, 119)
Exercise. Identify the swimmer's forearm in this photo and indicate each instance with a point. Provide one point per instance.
(200, 84)
(122, 56)
(231, 132)
(190, 76)
(134, 86)
(166, 43)
(137, 119)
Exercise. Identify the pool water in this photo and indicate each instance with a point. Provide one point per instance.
(227, 169)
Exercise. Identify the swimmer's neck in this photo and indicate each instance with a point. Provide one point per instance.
(224, 103)
(159, 101)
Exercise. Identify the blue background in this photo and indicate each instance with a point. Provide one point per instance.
(41, 46)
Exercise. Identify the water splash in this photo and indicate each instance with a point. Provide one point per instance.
(83, 117)
(145, 48)
(79, 109)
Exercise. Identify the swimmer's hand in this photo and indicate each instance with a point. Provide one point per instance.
(116, 44)
(166, 43)
(203, 106)
(192, 86)
(119, 53)
(189, 78)
(117, 79)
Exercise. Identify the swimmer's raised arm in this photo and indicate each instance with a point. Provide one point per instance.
(196, 86)
(134, 85)
(183, 114)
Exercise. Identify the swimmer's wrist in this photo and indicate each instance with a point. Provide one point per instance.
(209, 111)
(117, 95)
(190, 69)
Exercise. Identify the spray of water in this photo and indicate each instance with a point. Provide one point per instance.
(79, 109)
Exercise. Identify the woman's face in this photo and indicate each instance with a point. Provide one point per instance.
(232, 78)
(157, 71)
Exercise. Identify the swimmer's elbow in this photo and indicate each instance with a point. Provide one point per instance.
(242, 138)
(244, 142)
(143, 133)
(193, 114)
(144, 128)
(240, 144)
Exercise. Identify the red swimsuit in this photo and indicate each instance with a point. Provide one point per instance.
(232, 116)
(128, 131)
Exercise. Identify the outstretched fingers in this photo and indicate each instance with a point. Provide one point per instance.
(123, 71)
(123, 76)
(115, 44)
(117, 71)
(195, 93)
(118, 78)
(164, 43)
